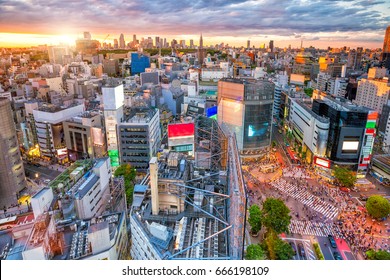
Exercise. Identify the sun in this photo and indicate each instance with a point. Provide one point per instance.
(66, 39)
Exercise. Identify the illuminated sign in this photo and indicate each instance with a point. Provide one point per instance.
(211, 111)
(322, 162)
(181, 129)
(114, 157)
(350, 145)
(62, 153)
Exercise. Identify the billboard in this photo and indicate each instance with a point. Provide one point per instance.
(181, 134)
(210, 112)
(322, 162)
(231, 112)
(181, 130)
(114, 157)
(350, 146)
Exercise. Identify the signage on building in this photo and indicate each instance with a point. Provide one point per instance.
(322, 162)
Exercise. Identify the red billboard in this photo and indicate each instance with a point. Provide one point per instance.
(181, 130)
(322, 162)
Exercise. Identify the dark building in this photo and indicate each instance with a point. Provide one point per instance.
(139, 137)
(386, 49)
(347, 131)
(351, 91)
(383, 118)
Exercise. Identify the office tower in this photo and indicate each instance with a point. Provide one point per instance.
(165, 43)
(116, 43)
(113, 102)
(374, 91)
(139, 137)
(246, 108)
(157, 42)
(201, 51)
(57, 53)
(86, 45)
(355, 58)
(248, 44)
(271, 45)
(122, 43)
(12, 178)
(386, 49)
(191, 44)
(134, 38)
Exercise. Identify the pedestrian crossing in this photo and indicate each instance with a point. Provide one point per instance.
(314, 228)
(310, 255)
(315, 203)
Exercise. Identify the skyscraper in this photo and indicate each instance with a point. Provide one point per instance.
(122, 43)
(386, 49)
(115, 43)
(12, 178)
(248, 44)
(201, 51)
(271, 45)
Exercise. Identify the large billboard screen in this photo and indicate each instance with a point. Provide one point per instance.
(211, 111)
(114, 157)
(350, 146)
(97, 136)
(181, 130)
(231, 112)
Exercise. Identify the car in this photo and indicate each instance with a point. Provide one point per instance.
(292, 244)
(363, 198)
(301, 250)
(47, 181)
(36, 164)
(337, 256)
(332, 241)
(344, 189)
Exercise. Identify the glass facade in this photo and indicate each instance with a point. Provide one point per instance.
(257, 130)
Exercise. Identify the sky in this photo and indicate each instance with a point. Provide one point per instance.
(319, 23)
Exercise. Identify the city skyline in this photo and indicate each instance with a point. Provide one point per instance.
(321, 23)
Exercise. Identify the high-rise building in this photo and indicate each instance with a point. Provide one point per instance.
(113, 101)
(87, 35)
(12, 178)
(246, 108)
(271, 45)
(374, 91)
(139, 137)
(191, 44)
(116, 43)
(157, 42)
(248, 44)
(201, 51)
(122, 43)
(86, 45)
(386, 49)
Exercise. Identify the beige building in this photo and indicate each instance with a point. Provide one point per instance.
(84, 136)
(374, 91)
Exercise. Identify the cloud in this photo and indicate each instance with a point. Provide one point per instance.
(236, 18)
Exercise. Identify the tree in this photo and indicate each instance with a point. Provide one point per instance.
(254, 252)
(128, 172)
(344, 176)
(276, 248)
(283, 250)
(254, 219)
(378, 206)
(275, 215)
(377, 255)
(273, 144)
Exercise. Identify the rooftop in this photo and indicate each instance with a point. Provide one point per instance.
(141, 115)
(314, 115)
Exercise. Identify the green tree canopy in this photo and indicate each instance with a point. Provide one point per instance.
(378, 255)
(276, 248)
(378, 206)
(128, 172)
(254, 252)
(283, 250)
(254, 219)
(275, 215)
(344, 176)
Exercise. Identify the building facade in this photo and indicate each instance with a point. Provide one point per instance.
(12, 178)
